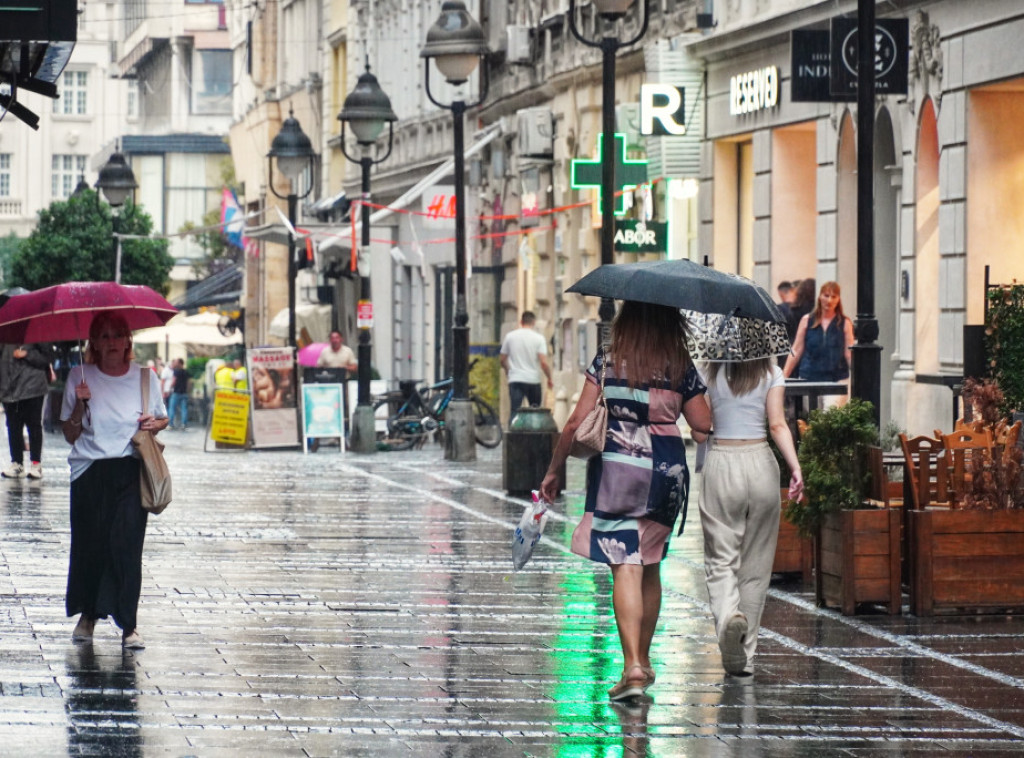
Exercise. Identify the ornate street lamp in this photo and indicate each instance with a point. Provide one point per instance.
(611, 11)
(865, 374)
(456, 43)
(117, 182)
(366, 110)
(294, 153)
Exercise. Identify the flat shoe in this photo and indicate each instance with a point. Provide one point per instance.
(133, 642)
(629, 686)
(83, 630)
(734, 656)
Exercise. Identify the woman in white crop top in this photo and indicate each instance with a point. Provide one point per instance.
(739, 500)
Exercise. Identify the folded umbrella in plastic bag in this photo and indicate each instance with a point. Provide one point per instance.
(530, 528)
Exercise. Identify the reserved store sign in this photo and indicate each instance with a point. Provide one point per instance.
(754, 91)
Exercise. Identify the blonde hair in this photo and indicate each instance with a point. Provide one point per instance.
(742, 378)
(105, 320)
(649, 345)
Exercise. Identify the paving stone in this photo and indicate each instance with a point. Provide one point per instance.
(323, 605)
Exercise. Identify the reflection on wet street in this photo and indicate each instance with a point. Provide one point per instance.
(324, 605)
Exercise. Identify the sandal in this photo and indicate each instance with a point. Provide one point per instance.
(649, 676)
(630, 686)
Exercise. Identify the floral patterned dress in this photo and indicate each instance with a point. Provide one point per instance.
(637, 487)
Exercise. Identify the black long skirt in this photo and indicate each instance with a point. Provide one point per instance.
(108, 528)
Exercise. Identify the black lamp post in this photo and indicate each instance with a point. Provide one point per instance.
(117, 182)
(865, 379)
(457, 43)
(294, 153)
(611, 11)
(366, 109)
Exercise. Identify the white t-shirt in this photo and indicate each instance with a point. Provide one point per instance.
(113, 416)
(522, 347)
(167, 380)
(341, 359)
(743, 417)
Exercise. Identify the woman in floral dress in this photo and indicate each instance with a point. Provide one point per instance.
(638, 486)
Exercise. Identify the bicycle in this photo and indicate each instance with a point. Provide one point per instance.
(415, 413)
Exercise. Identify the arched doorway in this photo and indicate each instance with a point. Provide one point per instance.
(886, 268)
(926, 245)
(846, 221)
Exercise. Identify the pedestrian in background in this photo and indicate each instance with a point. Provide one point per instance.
(166, 375)
(739, 500)
(24, 382)
(822, 348)
(102, 409)
(638, 486)
(802, 304)
(337, 354)
(524, 357)
(179, 394)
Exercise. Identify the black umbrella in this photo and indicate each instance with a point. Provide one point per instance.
(681, 284)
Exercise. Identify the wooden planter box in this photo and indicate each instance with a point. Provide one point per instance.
(858, 560)
(793, 553)
(966, 560)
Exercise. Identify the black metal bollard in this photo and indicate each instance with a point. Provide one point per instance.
(529, 442)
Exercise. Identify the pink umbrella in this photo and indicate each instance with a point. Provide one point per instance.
(64, 312)
(310, 353)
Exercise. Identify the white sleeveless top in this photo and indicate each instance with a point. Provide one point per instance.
(742, 417)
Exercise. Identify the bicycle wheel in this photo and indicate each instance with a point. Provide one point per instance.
(403, 431)
(486, 424)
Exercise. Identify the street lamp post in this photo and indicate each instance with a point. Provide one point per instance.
(117, 182)
(611, 11)
(865, 379)
(366, 109)
(457, 43)
(294, 153)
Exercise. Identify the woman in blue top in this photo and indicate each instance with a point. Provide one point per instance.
(821, 351)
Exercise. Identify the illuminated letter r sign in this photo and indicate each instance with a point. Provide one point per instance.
(662, 110)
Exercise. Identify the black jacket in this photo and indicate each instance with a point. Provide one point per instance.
(24, 378)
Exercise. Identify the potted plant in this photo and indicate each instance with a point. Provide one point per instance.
(970, 557)
(857, 551)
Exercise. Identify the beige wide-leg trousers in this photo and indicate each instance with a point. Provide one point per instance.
(739, 514)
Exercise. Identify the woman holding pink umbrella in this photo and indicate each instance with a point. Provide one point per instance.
(102, 409)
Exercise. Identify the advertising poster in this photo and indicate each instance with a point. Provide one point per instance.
(230, 422)
(323, 411)
(274, 401)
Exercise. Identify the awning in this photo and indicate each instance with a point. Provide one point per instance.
(278, 233)
(481, 139)
(223, 287)
(325, 204)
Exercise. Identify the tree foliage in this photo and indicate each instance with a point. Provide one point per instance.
(74, 242)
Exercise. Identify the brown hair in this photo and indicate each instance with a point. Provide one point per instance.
(828, 287)
(105, 320)
(804, 293)
(649, 344)
(743, 377)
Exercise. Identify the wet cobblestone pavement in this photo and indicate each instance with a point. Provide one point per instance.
(323, 605)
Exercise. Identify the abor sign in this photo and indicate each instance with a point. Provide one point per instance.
(633, 236)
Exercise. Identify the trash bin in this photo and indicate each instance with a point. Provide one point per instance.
(529, 442)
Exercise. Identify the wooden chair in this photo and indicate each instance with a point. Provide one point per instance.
(885, 492)
(963, 449)
(926, 470)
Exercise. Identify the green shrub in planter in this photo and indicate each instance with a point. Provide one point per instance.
(833, 459)
(1004, 331)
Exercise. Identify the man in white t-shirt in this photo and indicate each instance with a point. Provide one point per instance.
(337, 354)
(524, 356)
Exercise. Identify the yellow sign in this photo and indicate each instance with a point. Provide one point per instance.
(230, 417)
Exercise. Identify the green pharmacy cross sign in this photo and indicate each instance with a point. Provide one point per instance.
(628, 173)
